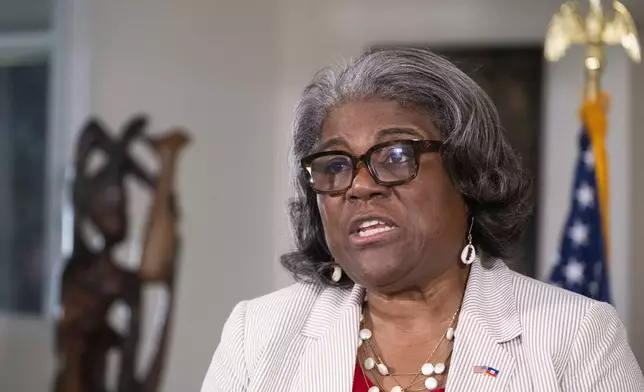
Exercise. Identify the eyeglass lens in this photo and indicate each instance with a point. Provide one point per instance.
(390, 164)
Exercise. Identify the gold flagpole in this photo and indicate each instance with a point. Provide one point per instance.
(595, 31)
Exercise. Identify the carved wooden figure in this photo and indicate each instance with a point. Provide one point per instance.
(161, 239)
(158, 261)
(92, 281)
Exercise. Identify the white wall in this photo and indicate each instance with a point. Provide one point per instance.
(26, 362)
(231, 71)
(637, 208)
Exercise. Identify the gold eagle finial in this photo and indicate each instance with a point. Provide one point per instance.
(568, 27)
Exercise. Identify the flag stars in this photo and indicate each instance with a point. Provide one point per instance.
(580, 263)
(585, 196)
(589, 159)
(578, 233)
(574, 272)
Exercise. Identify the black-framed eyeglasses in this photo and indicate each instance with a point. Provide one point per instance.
(390, 163)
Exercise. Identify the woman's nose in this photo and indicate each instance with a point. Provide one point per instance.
(364, 186)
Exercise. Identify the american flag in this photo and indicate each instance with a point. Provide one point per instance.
(480, 369)
(581, 263)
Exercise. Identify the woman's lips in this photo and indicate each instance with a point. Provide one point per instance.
(373, 234)
(364, 221)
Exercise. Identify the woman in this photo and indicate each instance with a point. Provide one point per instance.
(409, 201)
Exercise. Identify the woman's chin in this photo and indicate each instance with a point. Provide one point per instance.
(375, 276)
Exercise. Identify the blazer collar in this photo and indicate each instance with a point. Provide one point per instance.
(330, 306)
(489, 298)
(488, 321)
(328, 362)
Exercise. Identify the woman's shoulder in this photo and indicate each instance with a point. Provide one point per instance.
(537, 303)
(540, 296)
(287, 309)
(300, 292)
(577, 331)
(546, 307)
(264, 327)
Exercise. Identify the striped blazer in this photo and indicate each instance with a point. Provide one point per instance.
(539, 338)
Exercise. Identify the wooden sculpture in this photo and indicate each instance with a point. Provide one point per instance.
(161, 242)
(93, 282)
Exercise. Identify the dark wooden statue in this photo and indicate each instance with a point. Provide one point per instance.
(92, 280)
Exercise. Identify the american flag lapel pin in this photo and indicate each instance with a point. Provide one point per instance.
(480, 369)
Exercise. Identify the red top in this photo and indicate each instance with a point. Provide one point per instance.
(360, 386)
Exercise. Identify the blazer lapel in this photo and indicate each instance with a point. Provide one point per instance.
(329, 362)
(489, 321)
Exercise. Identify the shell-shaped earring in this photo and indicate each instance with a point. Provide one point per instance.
(337, 273)
(469, 253)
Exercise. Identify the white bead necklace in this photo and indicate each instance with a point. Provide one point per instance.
(429, 369)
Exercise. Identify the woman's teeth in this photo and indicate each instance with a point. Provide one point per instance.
(376, 230)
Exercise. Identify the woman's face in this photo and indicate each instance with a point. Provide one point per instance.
(427, 214)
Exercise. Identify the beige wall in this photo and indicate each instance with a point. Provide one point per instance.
(637, 206)
(25, 359)
(231, 71)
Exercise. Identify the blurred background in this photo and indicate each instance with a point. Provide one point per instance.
(230, 72)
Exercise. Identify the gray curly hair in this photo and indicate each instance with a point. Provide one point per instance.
(476, 155)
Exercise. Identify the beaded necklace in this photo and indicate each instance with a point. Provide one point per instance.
(427, 374)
